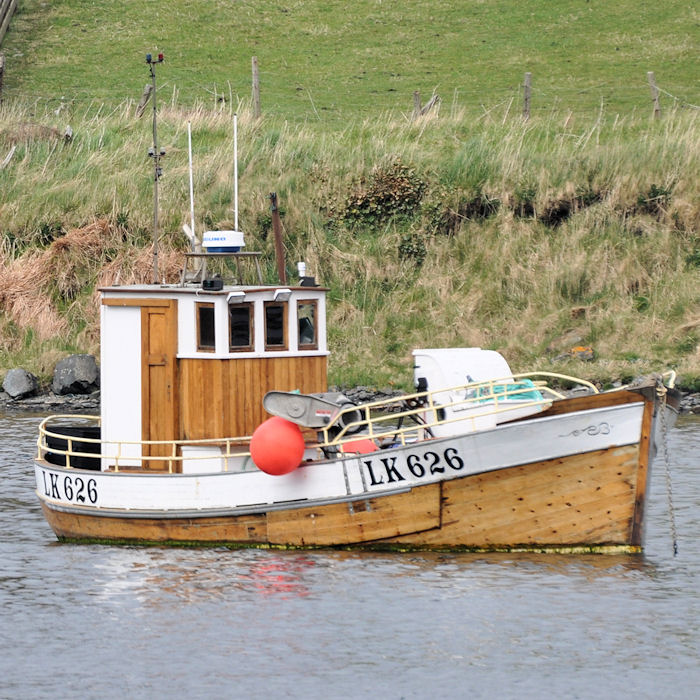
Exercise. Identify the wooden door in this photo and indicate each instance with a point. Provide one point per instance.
(159, 398)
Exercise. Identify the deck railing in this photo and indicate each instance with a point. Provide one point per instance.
(117, 452)
(387, 422)
(428, 409)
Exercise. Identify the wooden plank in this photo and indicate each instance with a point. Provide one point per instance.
(583, 403)
(361, 521)
(223, 398)
(541, 496)
(159, 396)
(643, 477)
(131, 301)
(582, 499)
(244, 529)
(185, 370)
(556, 528)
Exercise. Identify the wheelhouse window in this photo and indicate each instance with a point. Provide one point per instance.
(307, 314)
(206, 338)
(275, 325)
(240, 325)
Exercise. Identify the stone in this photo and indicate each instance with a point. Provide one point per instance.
(19, 383)
(582, 352)
(77, 374)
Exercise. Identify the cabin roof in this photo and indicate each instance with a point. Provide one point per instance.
(197, 289)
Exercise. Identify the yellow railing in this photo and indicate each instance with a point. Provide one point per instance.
(399, 420)
(379, 417)
(116, 451)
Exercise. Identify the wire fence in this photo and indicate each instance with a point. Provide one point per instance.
(522, 97)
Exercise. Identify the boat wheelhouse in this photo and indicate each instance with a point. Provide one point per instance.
(183, 367)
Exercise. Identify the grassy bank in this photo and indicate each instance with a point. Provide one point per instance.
(468, 226)
(527, 237)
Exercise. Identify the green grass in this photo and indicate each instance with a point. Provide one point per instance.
(466, 227)
(330, 61)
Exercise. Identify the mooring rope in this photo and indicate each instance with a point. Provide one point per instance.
(661, 391)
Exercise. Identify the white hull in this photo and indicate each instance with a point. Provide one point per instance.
(350, 478)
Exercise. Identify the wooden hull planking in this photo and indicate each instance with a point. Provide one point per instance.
(582, 500)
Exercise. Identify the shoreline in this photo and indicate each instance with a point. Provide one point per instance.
(48, 403)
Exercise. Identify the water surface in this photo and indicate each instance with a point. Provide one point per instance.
(94, 621)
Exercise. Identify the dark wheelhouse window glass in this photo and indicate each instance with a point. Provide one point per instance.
(240, 327)
(306, 311)
(274, 325)
(206, 340)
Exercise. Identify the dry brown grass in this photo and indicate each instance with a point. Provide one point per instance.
(24, 301)
(27, 132)
(85, 258)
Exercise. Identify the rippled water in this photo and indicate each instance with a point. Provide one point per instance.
(89, 621)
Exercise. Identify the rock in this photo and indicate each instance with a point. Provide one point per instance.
(19, 383)
(77, 374)
(690, 403)
(582, 352)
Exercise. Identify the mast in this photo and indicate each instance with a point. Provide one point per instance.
(156, 154)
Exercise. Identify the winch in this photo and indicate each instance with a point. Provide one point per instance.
(313, 410)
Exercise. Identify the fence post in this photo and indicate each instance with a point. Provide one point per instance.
(416, 104)
(7, 8)
(526, 95)
(2, 73)
(141, 106)
(256, 89)
(654, 94)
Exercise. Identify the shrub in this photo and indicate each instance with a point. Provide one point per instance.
(446, 220)
(693, 259)
(412, 248)
(654, 200)
(393, 191)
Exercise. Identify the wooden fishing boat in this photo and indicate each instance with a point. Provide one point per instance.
(217, 427)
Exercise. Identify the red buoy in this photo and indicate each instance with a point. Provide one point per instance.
(277, 446)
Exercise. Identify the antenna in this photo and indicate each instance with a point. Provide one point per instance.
(189, 150)
(235, 172)
(227, 241)
(156, 154)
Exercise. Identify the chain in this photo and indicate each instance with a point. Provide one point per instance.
(661, 391)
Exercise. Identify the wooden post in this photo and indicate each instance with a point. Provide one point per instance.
(526, 95)
(2, 73)
(654, 94)
(277, 229)
(416, 104)
(256, 89)
(7, 8)
(434, 100)
(141, 107)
